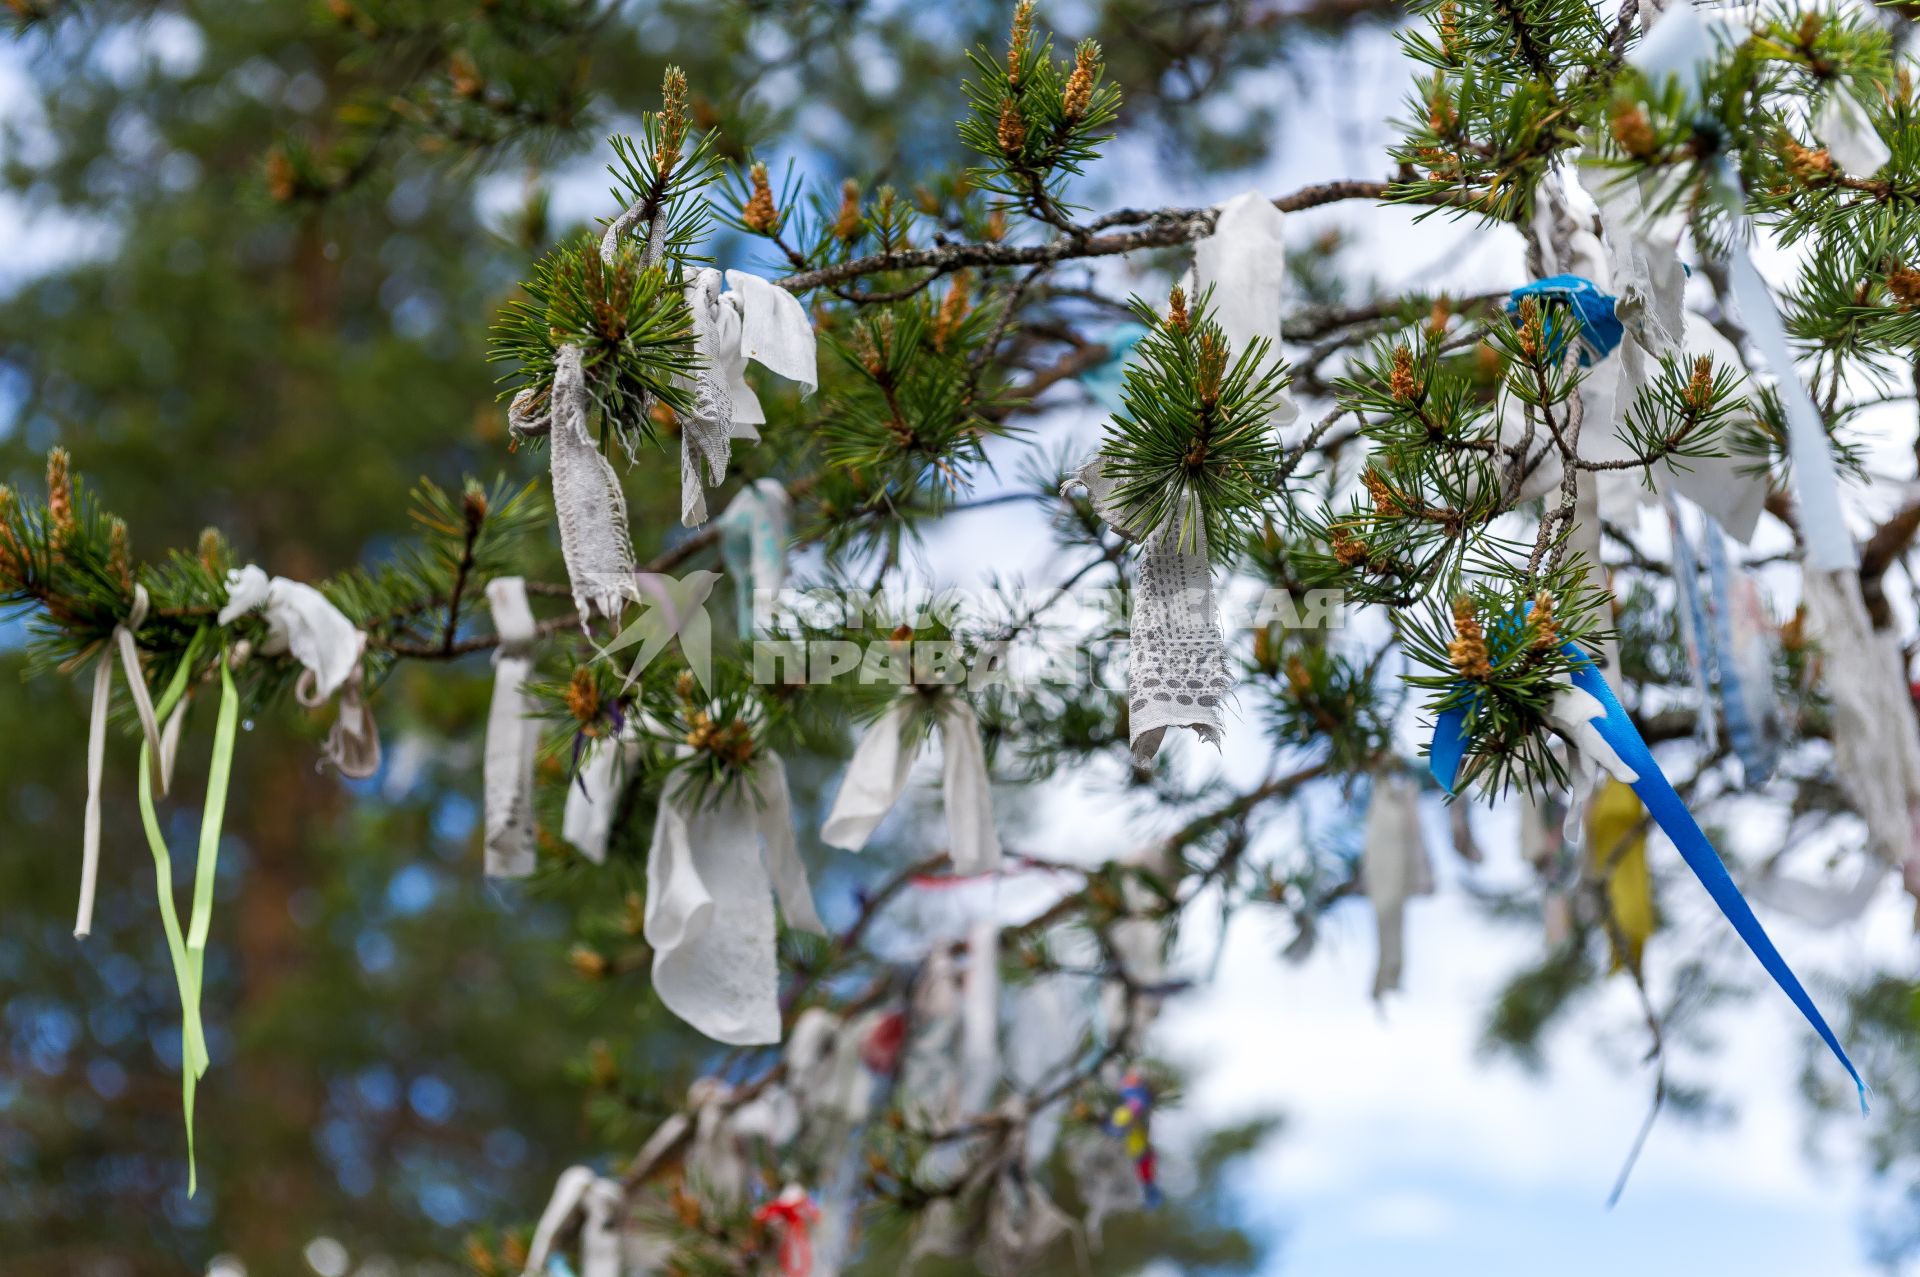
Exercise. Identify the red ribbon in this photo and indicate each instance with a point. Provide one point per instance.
(795, 1214)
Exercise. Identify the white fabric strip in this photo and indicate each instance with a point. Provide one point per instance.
(121, 644)
(1177, 671)
(1816, 480)
(587, 499)
(513, 735)
(706, 432)
(1394, 867)
(881, 765)
(710, 898)
(593, 798)
(1244, 262)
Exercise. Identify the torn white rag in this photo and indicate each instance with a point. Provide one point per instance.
(353, 743)
(1876, 745)
(710, 896)
(757, 322)
(160, 744)
(1394, 867)
(588, 502)
(300, 620)
(1177, 670)
(878, 772)
(1244, 262)
(513, 735)
(598, 1201)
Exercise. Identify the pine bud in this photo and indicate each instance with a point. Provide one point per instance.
(1904, 284)
(663, 417)
(583, 696)
(1177, 309)
(1804, 163)
(588, 963)
(1385, 499)
(1532, 336)
(480, 1257)
(997, 225)
(600, 1065)
(1632, 130)
(465, 75)
(473, 508)
(1349, 551)
(1012, 133)
(1450, 29)
(11, 558)
(1545, 633)
(59, 494)
(119, 561)
(1438, 317)
(1078, 95)
(1468, 651)
(759, 215)
(513, 1249)
(673, 121)
(846, 222)
(1700, 388)
(1211, 367)
(213, 552)
(1019, 39)
(283, 180)
(1401, 383)
(953, 311)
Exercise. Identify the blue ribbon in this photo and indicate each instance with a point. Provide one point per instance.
(1671, 814)
(1746, 725)
(1598, 329)
(1106, 380)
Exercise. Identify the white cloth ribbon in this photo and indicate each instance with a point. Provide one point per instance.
(980, 1015)
(160, 744)
(1843, 128)
(598, 1201)
(1816, 480)
(1876, 745)
(353, 743)
(755, 321)
(588, 502)
(1177, 670)
(300, 621)
(593, 799)
(1572, 712)
(878, 773)
(1394, 867)
(1244, 262)
(710, 895)
(513, 735)
(753, 544)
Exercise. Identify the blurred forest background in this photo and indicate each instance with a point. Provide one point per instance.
(252, 288)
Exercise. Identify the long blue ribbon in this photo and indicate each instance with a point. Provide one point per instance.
(1597, 328)
(1671, 814)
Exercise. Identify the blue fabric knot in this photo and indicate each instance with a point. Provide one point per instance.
(1598, 328)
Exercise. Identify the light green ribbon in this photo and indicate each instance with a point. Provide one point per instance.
(189, 951)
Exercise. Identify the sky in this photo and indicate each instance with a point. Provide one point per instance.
(1403, 1149)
